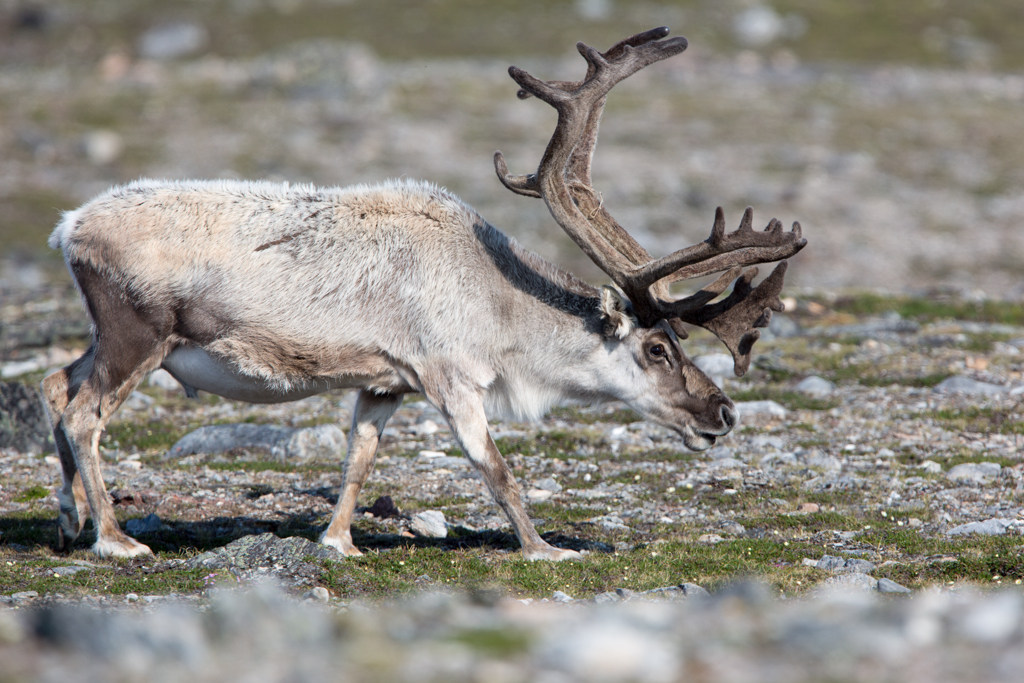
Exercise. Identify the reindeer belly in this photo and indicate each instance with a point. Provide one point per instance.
(195, 367)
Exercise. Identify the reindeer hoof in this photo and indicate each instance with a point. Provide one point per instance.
(343, 546)
(549, 553)
(125, 547)
(64, 539)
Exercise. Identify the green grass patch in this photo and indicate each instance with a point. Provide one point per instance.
(927, 310)
(32, 493)
(255, 466)
(30, 573)
(982, 420)
(146, 437)
(883, 379)
(554, 444)
(622, 416)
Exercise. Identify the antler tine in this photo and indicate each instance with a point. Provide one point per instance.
(734, 319)
(721, 251)
(563, 176)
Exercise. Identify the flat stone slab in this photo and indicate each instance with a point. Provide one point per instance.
(763, 408)
(990, 527)
(325, 442)
(974, 472)
(966, 385)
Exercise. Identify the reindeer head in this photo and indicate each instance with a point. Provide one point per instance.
(647, 322)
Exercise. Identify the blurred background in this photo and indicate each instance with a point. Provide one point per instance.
(893, 131)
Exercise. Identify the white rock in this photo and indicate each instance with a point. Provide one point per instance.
(815, 386)
(931, 467)
(890, 586)
(426, 428)
(538, 495)
(103, 147)
(966, 385)
(766, 408)
(164, 380)
(430, 524)
(548, 484)
(172, 40)
(990, 527)
(19, 367)
(974, 472)
(318, 594)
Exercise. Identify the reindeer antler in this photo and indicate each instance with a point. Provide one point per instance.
(563, 181)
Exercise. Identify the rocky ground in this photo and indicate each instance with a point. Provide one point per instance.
(862, 523)
(877, 456)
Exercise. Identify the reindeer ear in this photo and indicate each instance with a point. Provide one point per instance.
(616, 314)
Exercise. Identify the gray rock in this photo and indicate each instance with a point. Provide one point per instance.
(282, 555)
(990, 527)
(24, 595)
(717, 366)
(559, 596)
(974, 473)
(548, 484)
(759, 408)
(782, 326)
(318, 594)
(162, 379)
(815, 386)
(322, 442)
(890, 586)
(24, 426)
(609, 523)
(966, 385)
(145, 525)
(138, 401)
(172, 40)
(430, 524)
(859, 566)
(768, 441)
(732, 528)
(70, 570)
(931, 467)
(606, 598)
(692, 590)
(830, 563)
(849, 581)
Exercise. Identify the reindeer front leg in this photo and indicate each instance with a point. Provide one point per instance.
(465, 415)
(371, 414)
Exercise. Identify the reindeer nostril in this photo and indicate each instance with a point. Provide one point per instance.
(729, 416)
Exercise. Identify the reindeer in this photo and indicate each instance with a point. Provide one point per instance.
(268, 293)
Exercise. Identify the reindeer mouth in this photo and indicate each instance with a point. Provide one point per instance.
(697, 440)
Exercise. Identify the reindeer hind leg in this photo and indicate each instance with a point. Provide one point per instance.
(131, 339)
(58, 389)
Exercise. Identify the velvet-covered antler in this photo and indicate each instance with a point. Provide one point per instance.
(563, 181)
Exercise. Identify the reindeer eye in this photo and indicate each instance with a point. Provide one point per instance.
(657, 351)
